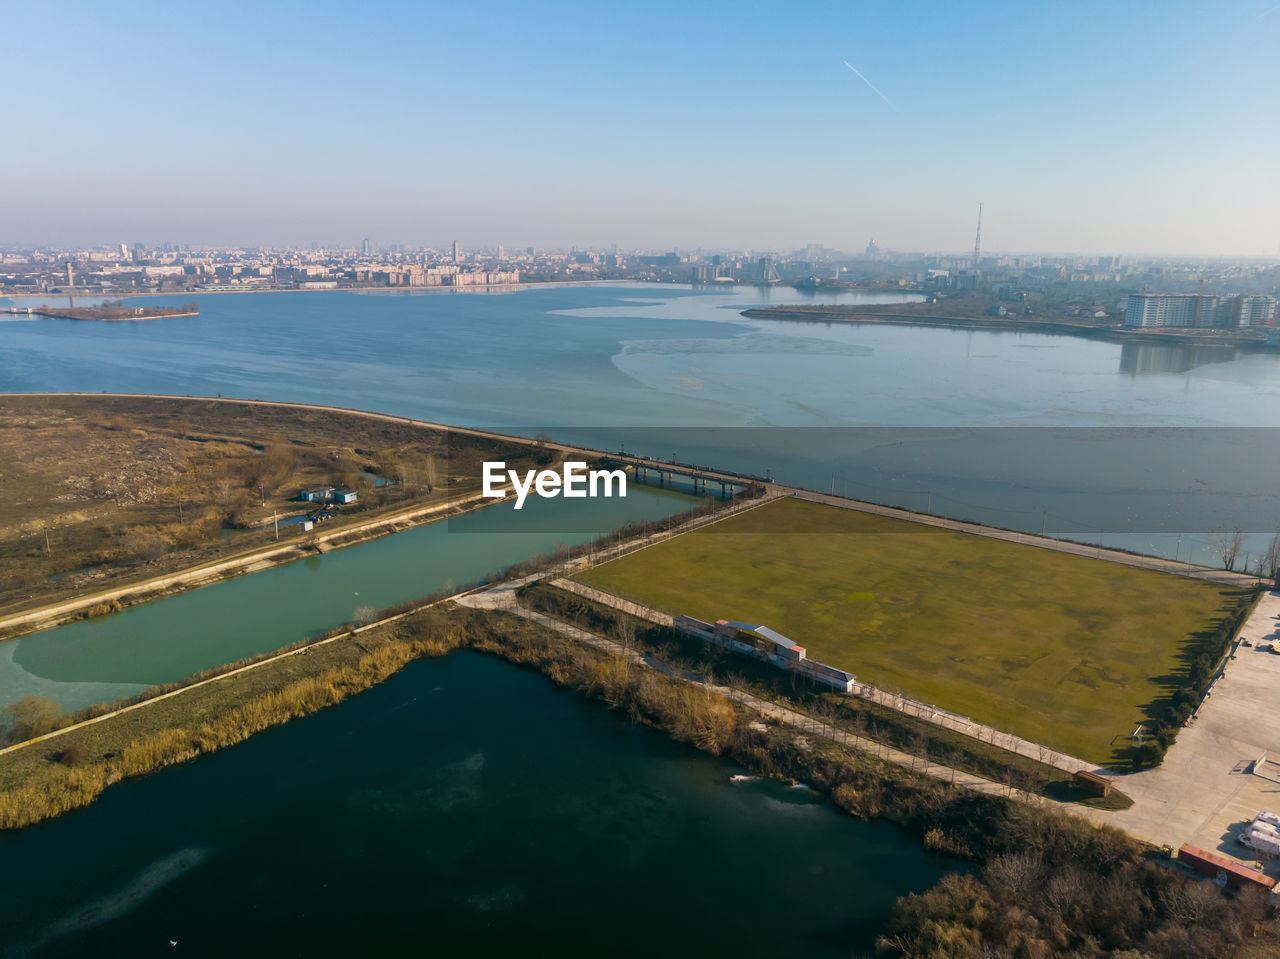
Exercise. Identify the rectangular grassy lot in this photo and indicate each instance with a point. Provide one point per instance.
(1065, 650)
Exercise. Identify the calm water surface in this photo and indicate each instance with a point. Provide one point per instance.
(464, 807)
(115, 656)
(645, 360)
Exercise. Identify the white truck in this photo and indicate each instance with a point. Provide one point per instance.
(1263, 837)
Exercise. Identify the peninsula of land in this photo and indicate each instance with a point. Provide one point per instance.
(114, 313)
(917, 314)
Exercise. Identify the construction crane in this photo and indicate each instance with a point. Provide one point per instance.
(977, 242)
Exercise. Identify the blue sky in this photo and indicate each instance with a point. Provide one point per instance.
(1099, 127)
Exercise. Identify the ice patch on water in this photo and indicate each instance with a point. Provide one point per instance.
(17, 683)
(498, 900)
(133, 894)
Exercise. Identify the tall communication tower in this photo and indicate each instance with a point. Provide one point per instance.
(977, 241)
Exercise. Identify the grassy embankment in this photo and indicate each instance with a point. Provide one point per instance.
(101, 492)
(48, 778)
(1065, 650)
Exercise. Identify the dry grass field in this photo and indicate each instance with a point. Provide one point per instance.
(96, 490)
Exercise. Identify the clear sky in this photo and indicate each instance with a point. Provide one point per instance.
(1083, 126)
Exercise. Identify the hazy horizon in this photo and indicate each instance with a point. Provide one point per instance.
(1143, 130)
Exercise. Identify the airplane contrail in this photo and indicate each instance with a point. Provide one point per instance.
(868, 83)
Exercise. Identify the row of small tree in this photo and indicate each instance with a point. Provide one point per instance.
(1228, 544)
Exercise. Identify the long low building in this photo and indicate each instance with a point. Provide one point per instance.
(753, 639)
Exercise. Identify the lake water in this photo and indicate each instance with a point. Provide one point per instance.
(635, 365)
(464, 807)
(112, 657)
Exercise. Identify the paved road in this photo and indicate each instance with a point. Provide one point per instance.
(1029, 539)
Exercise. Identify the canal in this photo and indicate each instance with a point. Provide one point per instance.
(115, 656)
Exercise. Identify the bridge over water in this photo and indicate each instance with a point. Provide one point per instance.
(663, 473)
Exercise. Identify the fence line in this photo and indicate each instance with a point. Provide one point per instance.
(894, 701)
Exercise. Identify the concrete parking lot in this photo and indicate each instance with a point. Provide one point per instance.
(1207, 788)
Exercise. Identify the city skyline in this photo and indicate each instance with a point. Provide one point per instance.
(1082, 130)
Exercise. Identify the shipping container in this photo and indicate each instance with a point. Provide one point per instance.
(1223, 869)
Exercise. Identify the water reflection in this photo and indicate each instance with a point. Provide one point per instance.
(1164, 358)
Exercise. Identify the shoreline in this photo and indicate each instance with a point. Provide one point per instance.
(477, 287)
(1124, 557)
(1232, 339)
(63, 313)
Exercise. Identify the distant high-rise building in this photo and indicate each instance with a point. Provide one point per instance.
(364, 246)
(124, 249)
(1209, 312)
(1145, 310)
(1253, 311)
(500, 251)
(457, 252)
(71, 281)
(1198, 310)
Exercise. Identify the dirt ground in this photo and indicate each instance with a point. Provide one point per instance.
(100, 490)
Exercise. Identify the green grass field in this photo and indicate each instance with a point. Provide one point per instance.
(1065, 650)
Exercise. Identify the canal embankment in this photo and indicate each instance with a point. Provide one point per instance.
(147, 590)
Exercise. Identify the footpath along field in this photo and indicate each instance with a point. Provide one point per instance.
(1061, 649)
